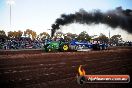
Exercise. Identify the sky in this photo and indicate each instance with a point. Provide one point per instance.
(39, 15)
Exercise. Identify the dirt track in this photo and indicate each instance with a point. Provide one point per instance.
(59, 70)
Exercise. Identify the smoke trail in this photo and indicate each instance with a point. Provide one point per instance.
(114, 18)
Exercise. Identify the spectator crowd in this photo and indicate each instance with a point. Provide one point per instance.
(20, 43)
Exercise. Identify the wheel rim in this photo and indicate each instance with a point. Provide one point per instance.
(49, 50)
(65, 47)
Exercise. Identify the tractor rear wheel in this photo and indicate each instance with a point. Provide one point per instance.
(46, 48)
(64, 47)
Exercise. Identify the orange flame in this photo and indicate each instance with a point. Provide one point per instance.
(81, 71)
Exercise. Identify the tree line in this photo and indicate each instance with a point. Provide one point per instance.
(83, 36)
(28, 33)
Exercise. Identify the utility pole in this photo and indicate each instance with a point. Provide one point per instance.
(10, 2)
(10, 15)
(109, 36)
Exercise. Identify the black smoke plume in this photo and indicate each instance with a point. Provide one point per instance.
(113, 18)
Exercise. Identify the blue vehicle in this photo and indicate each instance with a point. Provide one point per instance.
(74, 44)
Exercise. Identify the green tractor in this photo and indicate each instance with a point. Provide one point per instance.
(56, 46)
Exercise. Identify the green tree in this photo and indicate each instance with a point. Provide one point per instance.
(44, 35)
(2, 32)
(59, 35)
(83, 36)
(30, 33)
(18, 34)
(115, 39)
(15, 34)
(102, 38)
(3, 36)
(11, 34)
(69, 36)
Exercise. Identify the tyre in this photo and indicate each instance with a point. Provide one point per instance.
(64, 47)
(49, 50)
(101, 48)
(96, 47)
(105, 48)
(46, 48)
